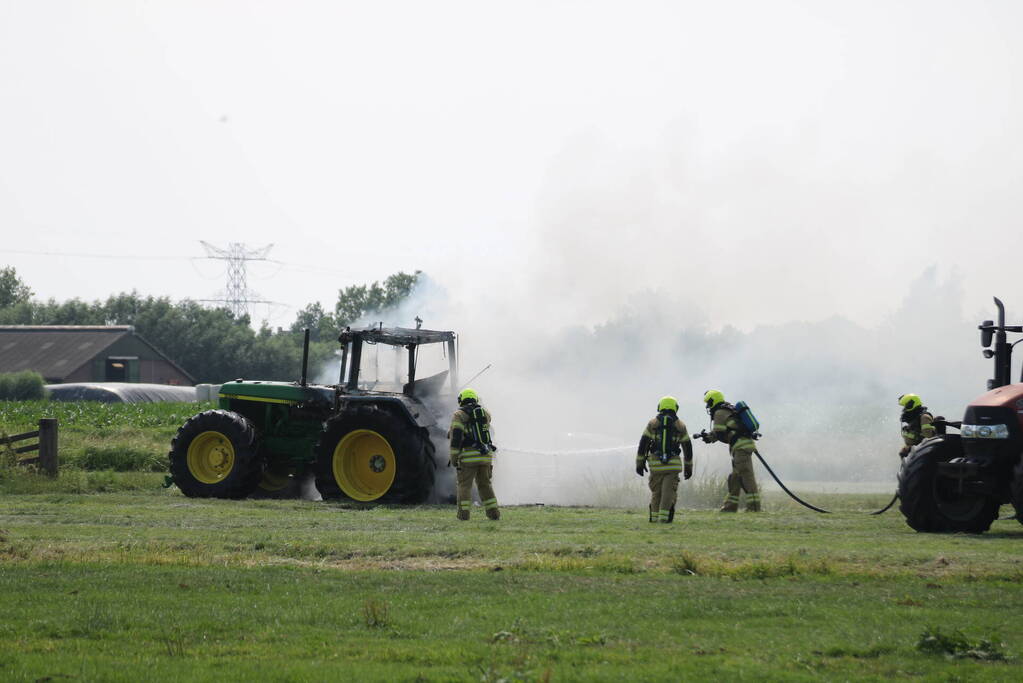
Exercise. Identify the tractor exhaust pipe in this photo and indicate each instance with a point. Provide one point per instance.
(1002, 352)
(305, 357)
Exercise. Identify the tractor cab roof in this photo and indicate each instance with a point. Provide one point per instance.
(395, 336)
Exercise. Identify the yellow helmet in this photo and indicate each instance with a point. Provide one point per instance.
(910, 402)
(712, 397)
(467, 395)
(668, 403)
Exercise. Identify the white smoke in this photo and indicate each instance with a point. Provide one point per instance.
(671, 276)
(572, 399)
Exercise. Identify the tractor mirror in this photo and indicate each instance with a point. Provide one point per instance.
(986, 333)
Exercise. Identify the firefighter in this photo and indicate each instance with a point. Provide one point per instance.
(472, 454)
(727, 429)
(663, 439)
(917, 422)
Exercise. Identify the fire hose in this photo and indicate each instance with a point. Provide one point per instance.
(760, 457)
(785, 488)
(885, 508)
(803, 502)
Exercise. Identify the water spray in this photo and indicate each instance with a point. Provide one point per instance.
(473, 378)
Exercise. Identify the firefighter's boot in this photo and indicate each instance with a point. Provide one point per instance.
(752, 502)
(463, 515)
(494, 514)
(731, 504)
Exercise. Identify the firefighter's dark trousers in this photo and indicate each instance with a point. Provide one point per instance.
(480, 474)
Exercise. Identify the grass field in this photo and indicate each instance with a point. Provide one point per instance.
(104, 575)
(120, 586)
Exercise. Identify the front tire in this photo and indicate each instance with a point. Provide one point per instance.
(215, 455)
(932, 503)
(372, 455)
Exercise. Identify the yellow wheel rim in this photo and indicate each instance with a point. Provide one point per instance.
(210, 457)
(364, 465)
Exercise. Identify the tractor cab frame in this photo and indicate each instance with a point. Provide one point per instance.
(354, 341)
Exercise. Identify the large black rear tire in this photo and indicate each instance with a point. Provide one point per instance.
(931, 503)
(215, 455)
(369, 454)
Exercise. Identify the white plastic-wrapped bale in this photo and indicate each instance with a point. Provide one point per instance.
(121, 392)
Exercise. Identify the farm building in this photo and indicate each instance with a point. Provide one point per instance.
(84, 353)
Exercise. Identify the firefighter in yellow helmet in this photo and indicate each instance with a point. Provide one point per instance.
(472, 454)
(917, 422)
(664, 438)
(727, 429)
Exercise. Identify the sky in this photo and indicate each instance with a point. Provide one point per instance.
(772, 161)
(802, 200)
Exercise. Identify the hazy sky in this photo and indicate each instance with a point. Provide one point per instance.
(770, 160)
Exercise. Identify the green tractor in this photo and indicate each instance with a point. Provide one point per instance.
(360, 440)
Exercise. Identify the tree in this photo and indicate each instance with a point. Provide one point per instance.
(357, 301)
(212, 345)
(322, 326)
(12, 290)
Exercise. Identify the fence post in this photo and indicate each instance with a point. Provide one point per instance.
(48, 461)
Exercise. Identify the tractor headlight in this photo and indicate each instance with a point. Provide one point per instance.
(985, 431)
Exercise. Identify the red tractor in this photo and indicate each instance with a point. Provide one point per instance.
(958, 482)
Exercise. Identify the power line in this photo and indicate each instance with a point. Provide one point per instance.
(237, 297)
(287, 265)
(102, 256)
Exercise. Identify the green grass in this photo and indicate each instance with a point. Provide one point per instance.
(96, 436)
(104, 575)
(123, 585)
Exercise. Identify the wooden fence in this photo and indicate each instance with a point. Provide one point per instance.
(47, 446)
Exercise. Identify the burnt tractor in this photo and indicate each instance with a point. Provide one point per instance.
(360, 439)
(958, 482)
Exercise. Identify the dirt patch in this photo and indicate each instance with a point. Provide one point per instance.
(432, 563)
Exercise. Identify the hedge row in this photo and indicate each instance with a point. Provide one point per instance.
(21, 386)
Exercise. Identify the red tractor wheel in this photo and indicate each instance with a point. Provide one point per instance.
(931, 502)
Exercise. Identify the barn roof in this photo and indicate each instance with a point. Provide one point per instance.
(55, 351)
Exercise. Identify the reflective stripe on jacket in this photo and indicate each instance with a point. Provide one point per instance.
(918, 428)
(728, 430)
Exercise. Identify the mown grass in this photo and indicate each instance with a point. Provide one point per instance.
(117, 586)
(140, 581)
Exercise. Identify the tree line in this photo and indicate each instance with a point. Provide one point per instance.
(212, 344)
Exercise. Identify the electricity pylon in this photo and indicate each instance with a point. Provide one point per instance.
(237, 296)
